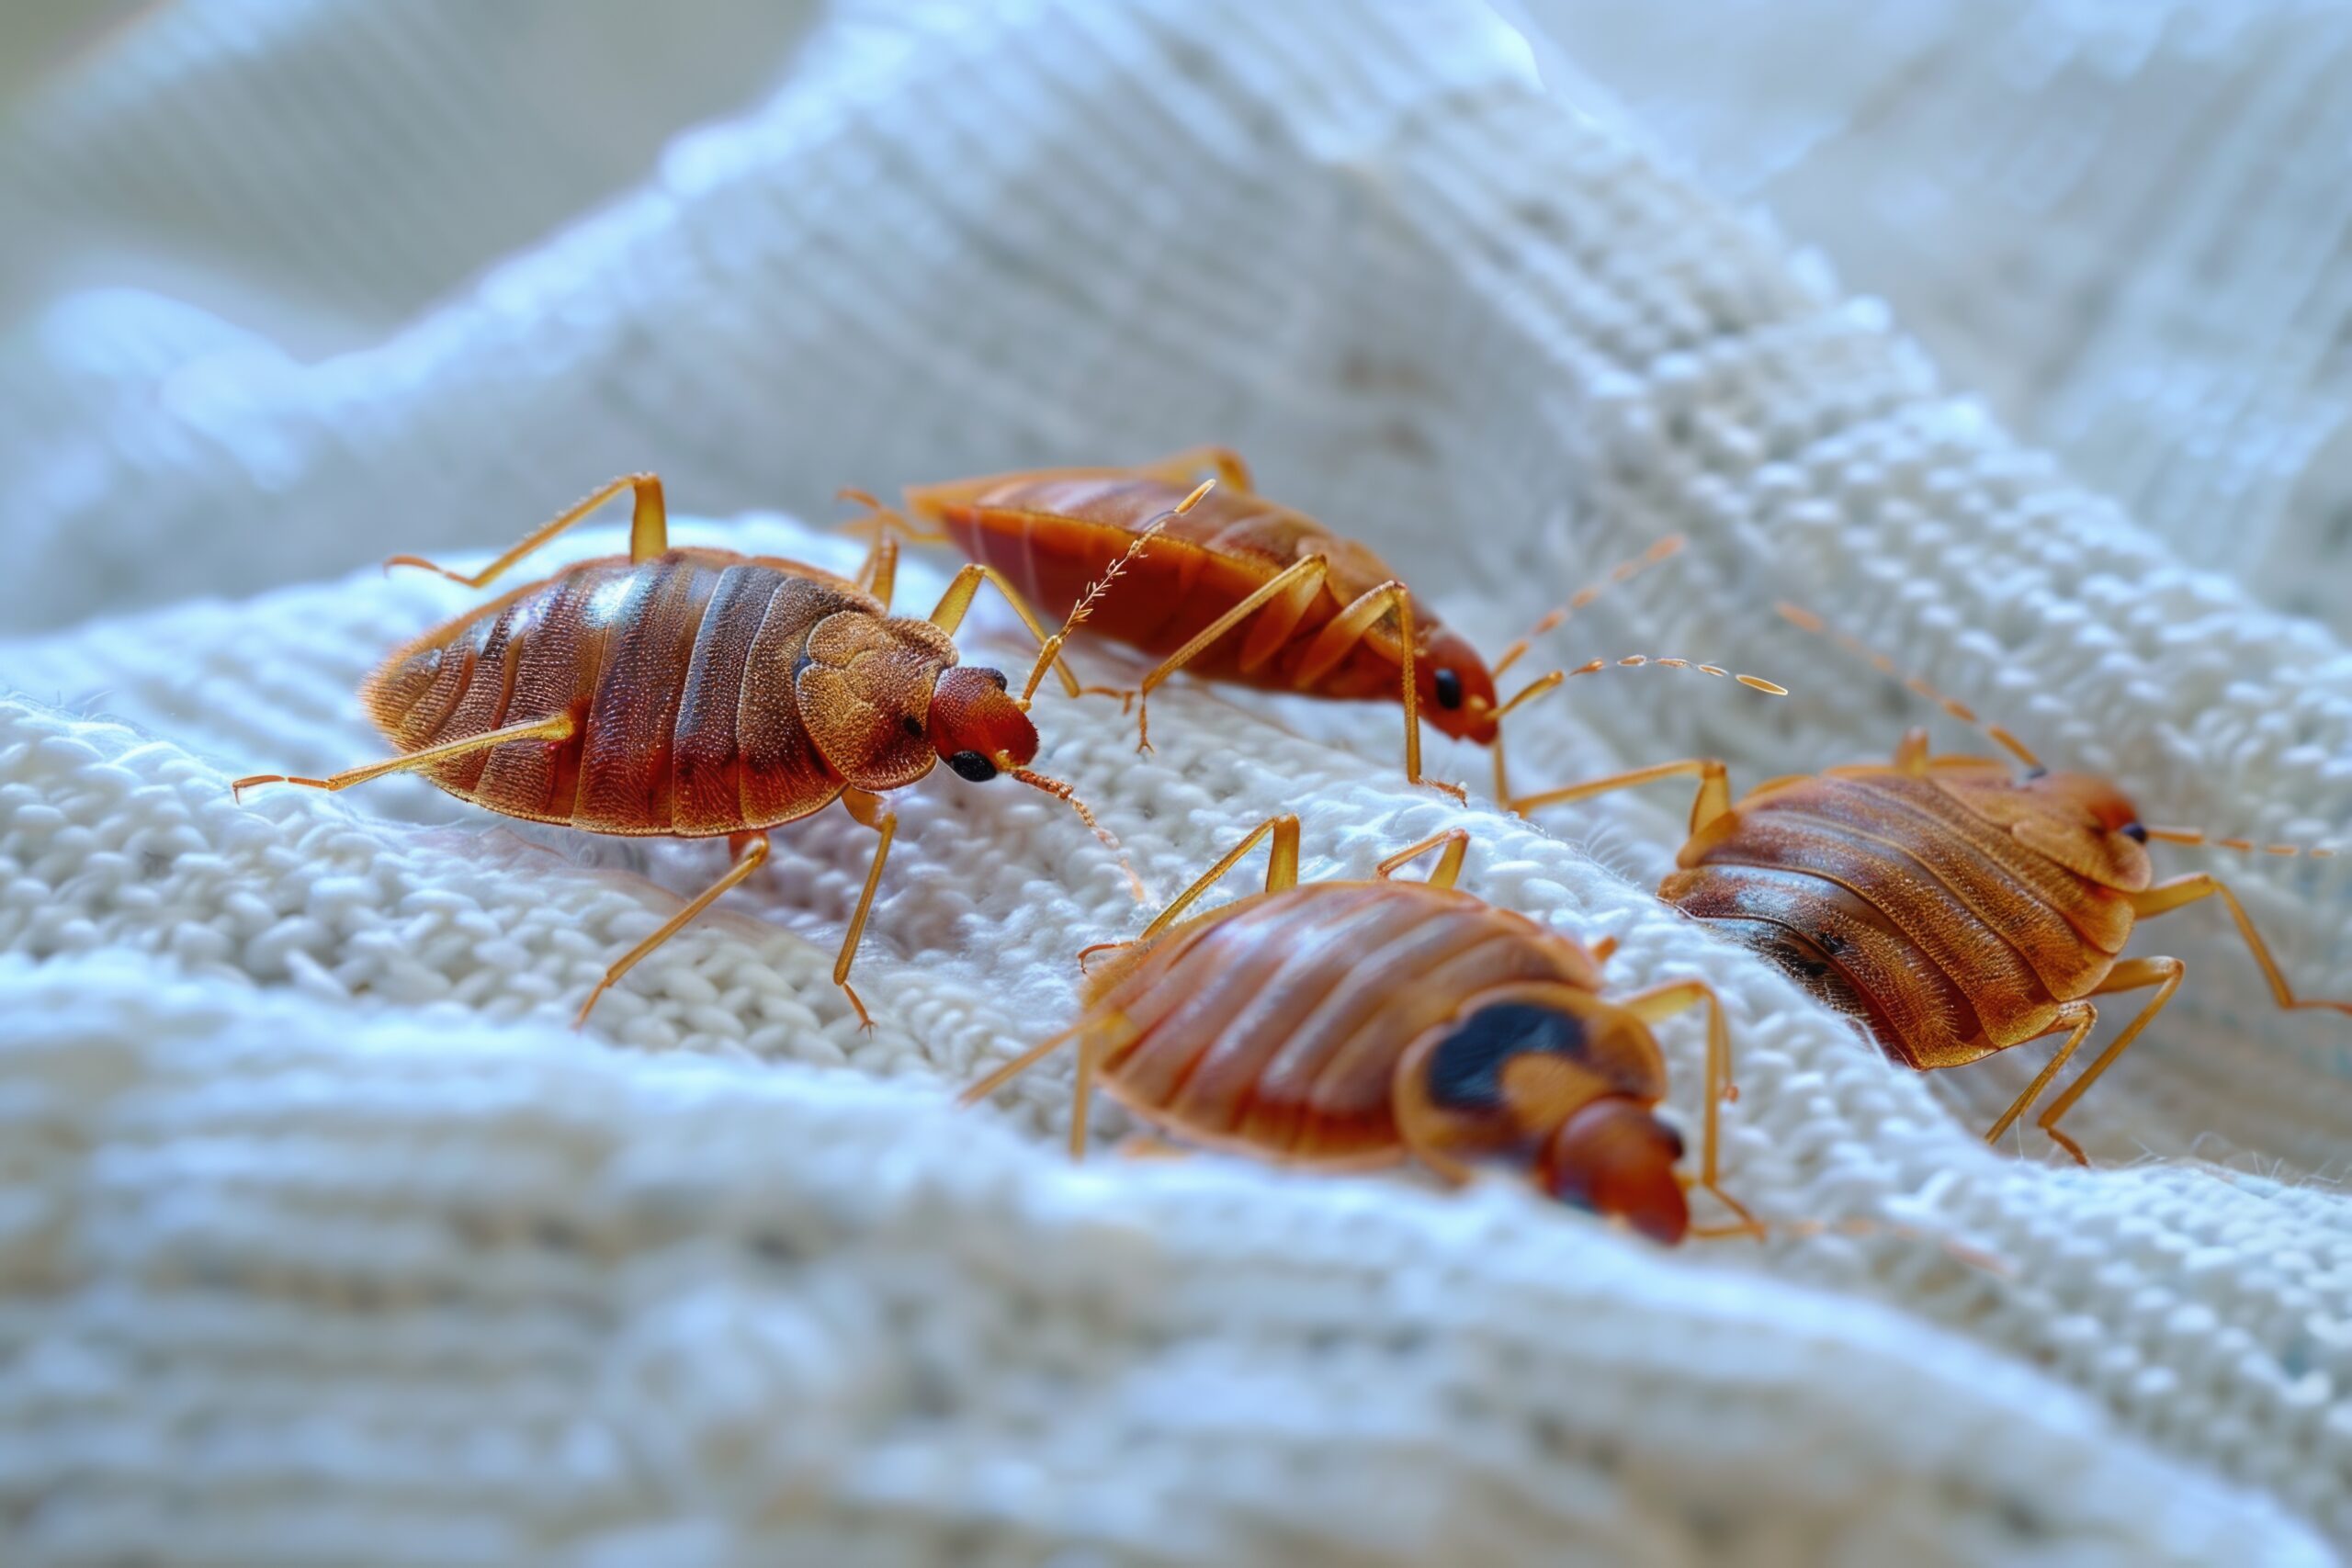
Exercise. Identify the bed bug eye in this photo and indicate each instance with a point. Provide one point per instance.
(912, 726)
(971, 765)
(2134, 831)
(1449, 688)
(998, 676)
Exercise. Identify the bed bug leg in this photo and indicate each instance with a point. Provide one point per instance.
(954, 604)
(1713, 798)
(649, 532)
(2130, 974)
(2078, 1019)
(870, 811)
(1348, 628)
(878, 573)
(1281, 872)
(1005, 1073)
(2168, 896)
(1663, 1002)
(1282, 869)
(1296, 585)
(557, 726)
(1095, 1036)
(1449, 864)
(752, 857)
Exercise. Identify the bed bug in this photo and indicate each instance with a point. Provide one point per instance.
(1349, 1025)
(1331, 620)
(692, 692)
(1955, 908)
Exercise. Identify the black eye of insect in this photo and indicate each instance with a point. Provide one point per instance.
(2134, 831)
(912, 726)
(998, 676)
(1449, 688)
(973, 766)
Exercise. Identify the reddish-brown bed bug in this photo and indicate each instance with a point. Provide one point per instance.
(1331, 619)
(692, 692)
(1348, 1025)
(1953, 909)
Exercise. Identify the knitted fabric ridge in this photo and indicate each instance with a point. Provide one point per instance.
(326, 1236)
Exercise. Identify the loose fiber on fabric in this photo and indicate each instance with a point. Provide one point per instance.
(330, 1241)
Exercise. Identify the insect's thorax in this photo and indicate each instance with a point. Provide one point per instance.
(679, 673)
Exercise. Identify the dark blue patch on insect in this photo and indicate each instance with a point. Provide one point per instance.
(1465, 1072)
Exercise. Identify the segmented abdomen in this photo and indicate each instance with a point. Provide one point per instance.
(1053, 538)
(678, 671)
(1280, 1024)
(1892, 901)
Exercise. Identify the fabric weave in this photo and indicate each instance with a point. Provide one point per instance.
(327, 1243)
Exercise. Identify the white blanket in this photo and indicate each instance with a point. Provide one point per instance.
(321, 1239)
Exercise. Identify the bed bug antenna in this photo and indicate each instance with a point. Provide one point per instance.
(1623, 573)
(1093, 594)
(1805, 620)
(880, 519)
(1063, 792)
(1558, 678)
(2243, 846)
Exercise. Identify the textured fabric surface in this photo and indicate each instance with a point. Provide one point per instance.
(329, 1242)
(2124, 223)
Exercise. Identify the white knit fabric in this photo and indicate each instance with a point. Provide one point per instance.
(2127, 223)
(323, 1241)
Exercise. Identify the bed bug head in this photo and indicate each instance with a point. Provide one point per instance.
(1614, 1156)
(2106, 833)
(976, 727)
(1457, 689)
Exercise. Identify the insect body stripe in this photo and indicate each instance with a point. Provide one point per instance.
(1931, 1018)
(2063, 963)
(2103, 918)
(706, 759)
(625, 761)
(1969, 951)
(1213, 1044)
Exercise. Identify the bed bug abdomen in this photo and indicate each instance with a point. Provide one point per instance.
(681, 670)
